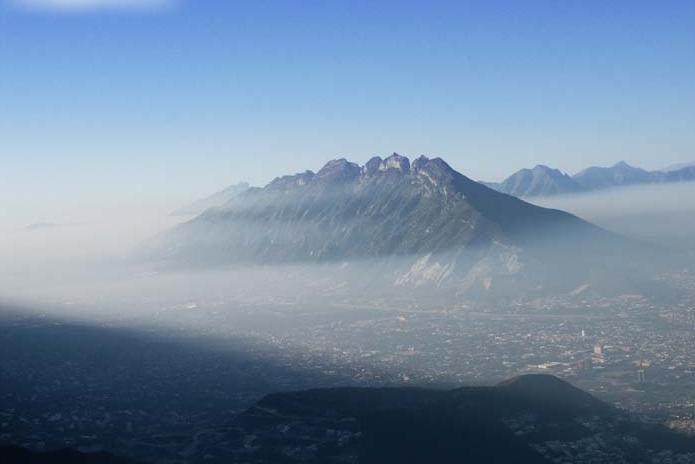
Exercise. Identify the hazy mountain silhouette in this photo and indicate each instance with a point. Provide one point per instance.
(215, 200)
(619, 174)
(544, 181)
(424, 224)
(538, 181)
(678, 166)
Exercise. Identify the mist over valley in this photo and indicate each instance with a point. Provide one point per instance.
(347, 232)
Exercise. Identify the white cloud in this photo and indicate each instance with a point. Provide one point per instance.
(91, 5)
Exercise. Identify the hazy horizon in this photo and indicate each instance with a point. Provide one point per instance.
(159, 99)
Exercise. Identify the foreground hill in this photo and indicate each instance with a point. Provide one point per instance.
(415, 225)
(529, 419)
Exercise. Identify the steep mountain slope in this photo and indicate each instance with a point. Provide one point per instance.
(215, 200)
(620, 174)
(538, 181)
(530, 419)
(425, 223)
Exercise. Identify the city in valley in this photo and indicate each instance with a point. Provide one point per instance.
(156, 379)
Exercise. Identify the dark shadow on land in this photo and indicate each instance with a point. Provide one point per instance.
(133, 392)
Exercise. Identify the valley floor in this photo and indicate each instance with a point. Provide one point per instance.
(166, 386)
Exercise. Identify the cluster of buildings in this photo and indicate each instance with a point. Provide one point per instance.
(635, 354)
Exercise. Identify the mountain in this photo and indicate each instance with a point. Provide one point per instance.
(622, 174)
(545, 181)
(529, 419)
(684, 174)
(215, 200)
(538, 181)
(619, 174)
(678, 167)
(397, 224)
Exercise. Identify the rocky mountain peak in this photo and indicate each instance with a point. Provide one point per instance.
(372, 166)
(339, 170)
(291, 181)
(542, 168)
(419, 162)
(622, 165)
(538, 181)
(396, 161)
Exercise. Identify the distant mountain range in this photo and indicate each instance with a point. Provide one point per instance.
(544, 181)
(529, 419)
(417, 224)
(679, 166)
(538, 181)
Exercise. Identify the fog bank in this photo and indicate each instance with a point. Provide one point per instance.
(658, 212)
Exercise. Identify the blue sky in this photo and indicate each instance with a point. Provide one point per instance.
(181, 98)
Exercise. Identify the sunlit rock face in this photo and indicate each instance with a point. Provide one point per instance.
(423, 222)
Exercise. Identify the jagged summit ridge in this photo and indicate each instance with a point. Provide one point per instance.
(343, 170)
(418, 223)
(377, 164)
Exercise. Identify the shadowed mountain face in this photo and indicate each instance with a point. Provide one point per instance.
(530, 419)
(421, 223)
